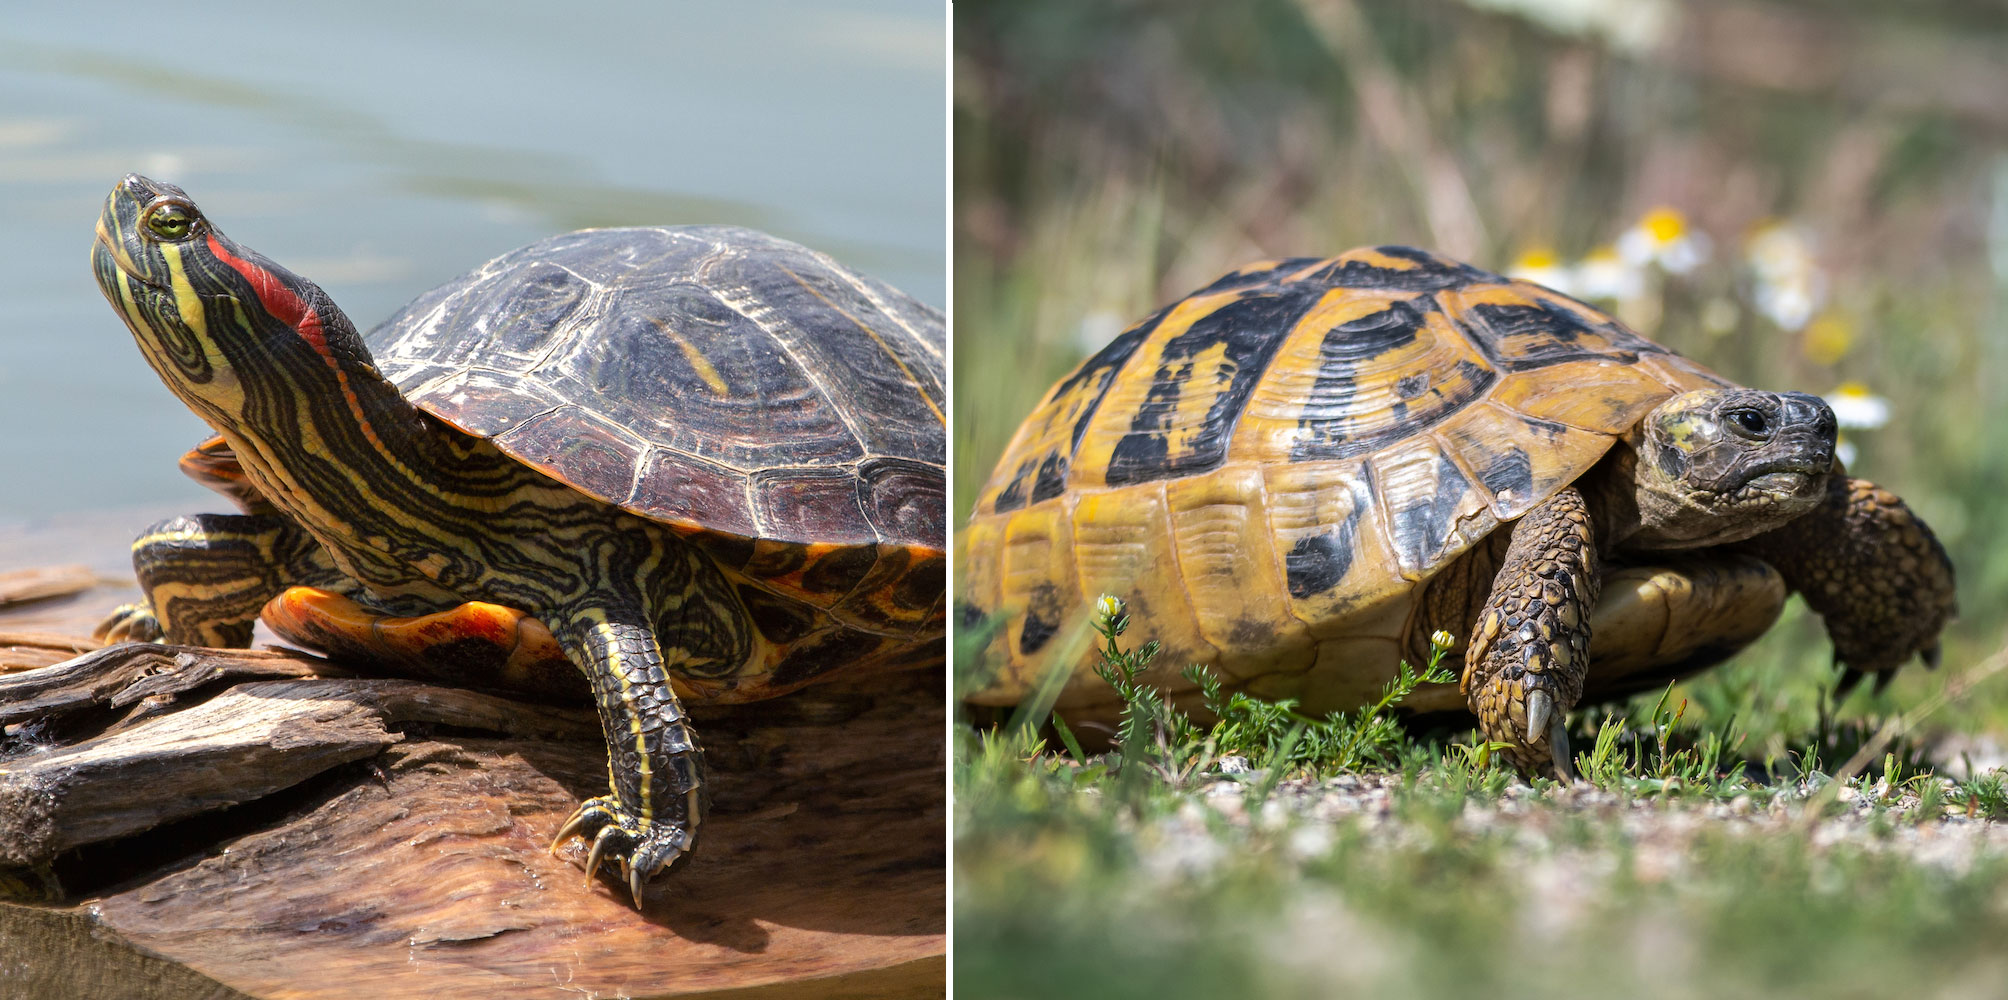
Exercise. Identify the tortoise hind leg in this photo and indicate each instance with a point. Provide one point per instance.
(1530, 648)
(205, 577)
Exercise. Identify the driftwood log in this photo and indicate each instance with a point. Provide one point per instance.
(181, 822)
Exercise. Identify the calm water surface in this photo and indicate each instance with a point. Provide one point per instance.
(380, 148)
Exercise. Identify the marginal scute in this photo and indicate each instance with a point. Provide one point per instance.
(1220, 528)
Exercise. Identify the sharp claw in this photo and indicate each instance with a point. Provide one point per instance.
(634, 884)
(1558, 748)
(599, 849)
(572, 826)
(1540, 708)
(1930, 656)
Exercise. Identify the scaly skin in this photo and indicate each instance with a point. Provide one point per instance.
(1874, 573)
(405, 510)
(1530, 649)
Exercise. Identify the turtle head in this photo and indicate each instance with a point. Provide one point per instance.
(209, 314)
(1722, 465)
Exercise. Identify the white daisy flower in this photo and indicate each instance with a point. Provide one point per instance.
(1857, 408)
(1540, 266)
(1661, 237)
(1605, 275)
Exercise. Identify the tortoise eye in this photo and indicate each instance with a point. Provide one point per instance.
(171, 222)
(1749, 421)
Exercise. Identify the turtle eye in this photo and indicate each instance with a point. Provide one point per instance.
(1751, 422)
(170, 221)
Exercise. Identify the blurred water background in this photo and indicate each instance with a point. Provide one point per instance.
(380, 148)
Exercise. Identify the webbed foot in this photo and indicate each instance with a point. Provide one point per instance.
(133, 622)
(642, 847)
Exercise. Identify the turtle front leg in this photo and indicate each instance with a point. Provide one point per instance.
(1530, 648)
(655, 767)
(206, 576)
(1873, 571)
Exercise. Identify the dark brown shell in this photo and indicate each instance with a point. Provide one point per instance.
(713, 378)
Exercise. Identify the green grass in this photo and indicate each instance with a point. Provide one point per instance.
(1674, 868)
(1740, 833)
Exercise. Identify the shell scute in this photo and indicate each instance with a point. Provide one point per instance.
(696, 356)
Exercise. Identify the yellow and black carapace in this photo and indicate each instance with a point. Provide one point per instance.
(1301, 472)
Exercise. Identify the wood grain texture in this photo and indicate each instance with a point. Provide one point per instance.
(402, 850)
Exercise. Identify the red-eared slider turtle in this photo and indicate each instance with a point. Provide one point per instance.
(1301, 472)
(709, 460)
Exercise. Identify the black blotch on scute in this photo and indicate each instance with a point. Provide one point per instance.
(1036, 633)
(824, 654)
(1543, 333)
(1012, 496)
(1422, 528)
(1247, 331)
(1103, 366)
(1431, 274)
(1317, 564)
(1509, 471)
(968, 615)
(1249, 279)
(1052, 479)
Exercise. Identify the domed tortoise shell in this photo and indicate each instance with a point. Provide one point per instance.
(1265, 463)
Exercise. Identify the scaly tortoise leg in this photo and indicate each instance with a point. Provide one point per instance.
(655, 767)
(1530, 648)
(206, 576)
(1872, 571)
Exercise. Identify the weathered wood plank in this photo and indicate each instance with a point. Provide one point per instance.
(23, 586)
(420, 867)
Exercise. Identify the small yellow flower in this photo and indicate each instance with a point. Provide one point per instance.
(1442, 639)
(1109, 607)
(1827, 340)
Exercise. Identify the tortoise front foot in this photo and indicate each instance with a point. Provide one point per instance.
(133, 622)
(642, 847)
(1873, 571)
(1531, 647)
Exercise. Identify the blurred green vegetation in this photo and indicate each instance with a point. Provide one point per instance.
(1112, 156)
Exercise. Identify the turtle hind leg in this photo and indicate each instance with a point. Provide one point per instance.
(206, 576)
(1874, 573)
(650, 816)
(475, 644)
(1530, 648)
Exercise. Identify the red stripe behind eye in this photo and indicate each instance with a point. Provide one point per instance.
(280, 301)
(287, 306)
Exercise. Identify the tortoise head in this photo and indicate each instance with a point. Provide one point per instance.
(1722, 465)
(208, 314)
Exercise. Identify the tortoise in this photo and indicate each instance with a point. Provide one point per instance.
(700, 463)
(1301, 472)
